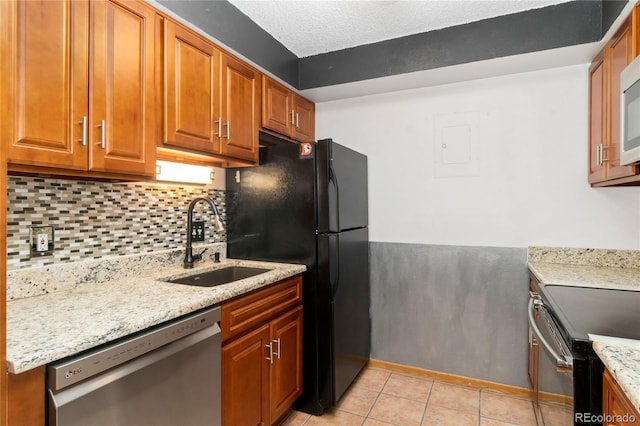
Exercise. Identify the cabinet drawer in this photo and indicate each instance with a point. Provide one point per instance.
(257, 308)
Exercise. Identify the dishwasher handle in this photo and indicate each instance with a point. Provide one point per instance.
(562, 362)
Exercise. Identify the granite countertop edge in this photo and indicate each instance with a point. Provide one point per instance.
(586, 275)
(623, 363)
(108, 311)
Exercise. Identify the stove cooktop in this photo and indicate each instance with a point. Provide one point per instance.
(582, 310)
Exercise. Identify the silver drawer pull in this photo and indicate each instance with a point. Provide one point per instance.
(228, 126)
(103, 126)
(276, 353)
(270, 357)
(83, 122)
(602, 159)
(219, 122)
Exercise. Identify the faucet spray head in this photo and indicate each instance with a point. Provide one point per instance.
(217, 223)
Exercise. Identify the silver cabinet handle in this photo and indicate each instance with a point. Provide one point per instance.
(219, 122)
(270, 357)
(602, 159)
(84, 130)
(276, 353)
(297, 121)
(228, 126)
(292, 122)
(103, 126)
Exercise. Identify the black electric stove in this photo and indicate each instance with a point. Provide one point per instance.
(579, 311)
(582, 310)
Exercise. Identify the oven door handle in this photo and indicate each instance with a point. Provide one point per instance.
(561, 361)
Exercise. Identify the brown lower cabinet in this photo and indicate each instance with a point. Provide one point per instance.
(262, 354)
(616, 408)
(25, 398)
(261, 361)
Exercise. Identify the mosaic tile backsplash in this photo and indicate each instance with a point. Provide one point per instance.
(92, 220)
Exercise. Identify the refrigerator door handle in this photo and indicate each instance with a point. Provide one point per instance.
(333, 178)
(335, 268)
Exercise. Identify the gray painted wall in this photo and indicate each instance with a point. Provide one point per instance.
(566, 24)
(453, 309)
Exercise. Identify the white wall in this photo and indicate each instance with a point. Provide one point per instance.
(530, 157)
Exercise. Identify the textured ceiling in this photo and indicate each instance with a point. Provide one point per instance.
(311, 27)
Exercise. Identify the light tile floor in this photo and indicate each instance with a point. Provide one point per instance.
(379, 397)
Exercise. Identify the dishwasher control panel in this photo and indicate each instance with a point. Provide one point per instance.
(73, 370)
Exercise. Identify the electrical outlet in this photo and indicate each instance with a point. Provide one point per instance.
(197, 231)
(41, 241)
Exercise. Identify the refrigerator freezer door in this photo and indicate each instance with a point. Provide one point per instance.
(342, 187)
(271, 208)
(347, 268)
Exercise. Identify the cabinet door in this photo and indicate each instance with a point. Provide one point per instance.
(241, 89)
(191, 91)
(304, 129)
(619, 56)
(26, 398)
(245, 379)
(597, 119)
(635, 30)
(276, 107)
(46, 93)
(615, 406)
(122, 87)
(286, 371)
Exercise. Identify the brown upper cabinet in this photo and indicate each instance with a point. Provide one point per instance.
(79, 87)
(604, 108)
(287, 113)
(211, 99)
(597, 118)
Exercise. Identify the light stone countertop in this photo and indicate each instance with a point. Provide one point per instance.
(581, 267)
(623, 362)
(60, 323)
(586, 275)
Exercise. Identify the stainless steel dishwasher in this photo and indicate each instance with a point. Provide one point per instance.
(170, 375)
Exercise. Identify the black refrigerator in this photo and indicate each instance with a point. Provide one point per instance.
(307, 203)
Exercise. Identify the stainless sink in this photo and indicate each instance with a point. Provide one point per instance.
(219, 276)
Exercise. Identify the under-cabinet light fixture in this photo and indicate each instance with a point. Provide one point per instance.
(185, 173)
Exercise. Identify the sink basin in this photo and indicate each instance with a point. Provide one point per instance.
(219, 276)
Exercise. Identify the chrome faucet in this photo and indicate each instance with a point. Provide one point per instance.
(189, 257)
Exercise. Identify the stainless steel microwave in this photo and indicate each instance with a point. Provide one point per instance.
(630, 113)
